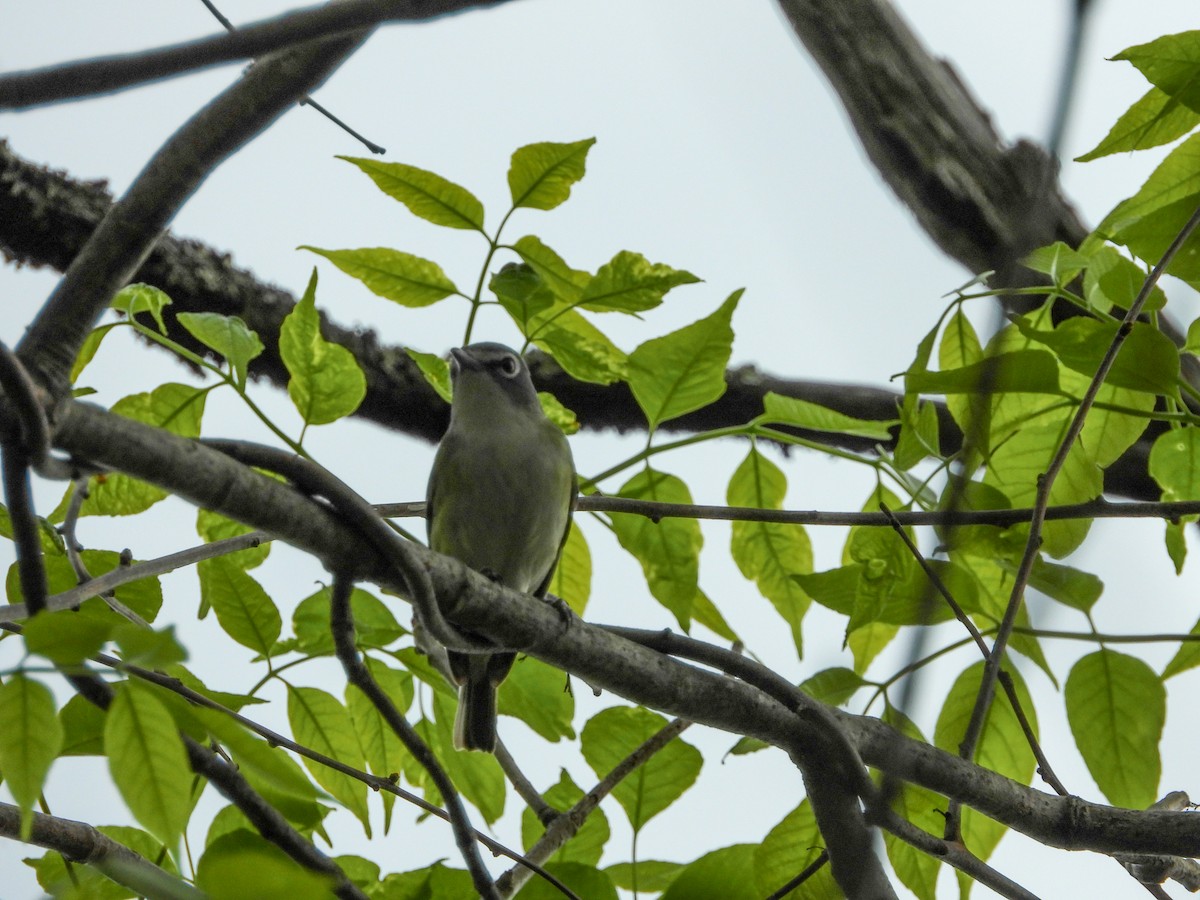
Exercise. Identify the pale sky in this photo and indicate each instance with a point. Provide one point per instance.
(720, 150)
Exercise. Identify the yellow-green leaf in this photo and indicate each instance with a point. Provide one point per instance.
(683, 371)
(1117, 707)
(426, 194)
(326, 383)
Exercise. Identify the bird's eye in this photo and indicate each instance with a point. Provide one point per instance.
(510, 366)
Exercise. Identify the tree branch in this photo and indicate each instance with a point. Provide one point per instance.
(89, 77)
(81, 843)
(128, 232)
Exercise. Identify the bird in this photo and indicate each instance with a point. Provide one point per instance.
(500, 497)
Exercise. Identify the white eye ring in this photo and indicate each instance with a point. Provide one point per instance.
(510, 366)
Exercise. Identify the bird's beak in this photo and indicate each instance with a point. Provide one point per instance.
(460, 359)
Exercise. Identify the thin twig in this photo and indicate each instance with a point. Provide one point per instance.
(566, 824)
(306, 100)
(654, 509)
(808, 872)
(148, 569)
(342, 625)
(74, 548)
(85, 78)
(1010, 691)
(18, 496)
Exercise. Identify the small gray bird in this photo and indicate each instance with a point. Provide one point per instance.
(500, 498)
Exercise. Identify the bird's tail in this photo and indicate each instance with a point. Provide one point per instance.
(475, 722)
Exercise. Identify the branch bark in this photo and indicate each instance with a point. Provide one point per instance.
(89, 77)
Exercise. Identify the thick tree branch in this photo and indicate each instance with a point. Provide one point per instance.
(86, 78)
(81, 843)
(983, 202)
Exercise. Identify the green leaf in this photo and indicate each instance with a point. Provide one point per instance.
(1114, 280)
(258, 760)
(788, 849)
(541, 175)
(242, 864)
(435, 882)
(770, 553)
(959, 348)
(614, 733)
(87, 352)
(1148, 360)
(583, 351)
(244, 610)
(705, 612)
(1117, 706)
(384, 752)
(564, 418)
(51, 541)
(781, 410)
(1058, 261)
(583, 880)
(630, 283)
(833, 686)
(587, 844)
(82, 728)
(436, 371)
(1186, 657)
(147, 761)
(572, 580)
(429, 196)
(1176, 542)
(68, 636)
(213, 527)
(1016, 466)
(138, 298)
(393, 274)
(176, 407)
(1148, 222)
(1156, 119)
(649, 875)
(30, 740)
(1192, 345)
(1079, 590)
(1175, 463)
(1172, 64)
(561, 280)
(1002, 745)
(523, 294)
(918, 432)
(320, 722)
(869, 641)
(1030, 371)
(374, 623)
(537, 694)
(683, 371)
(725, 874)
(228, 335)
(148, 648)
(668, 550)
(326, 382)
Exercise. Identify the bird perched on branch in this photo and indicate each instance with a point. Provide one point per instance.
(500, 497)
